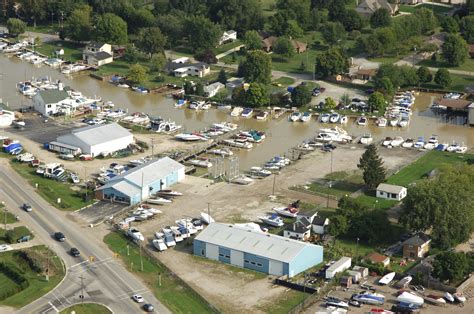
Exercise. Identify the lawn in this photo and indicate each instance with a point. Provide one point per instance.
(376, 203)
(421, 167)
(284, 304)
(18, 232)
(341, 183)
(468, 65)
(284, 81)
(178, 297)
(38, 286)
(72, 51)
(459, 84)
(10, 217)
(437, 9)
(51, 190)
(227, 46)
(86, 308)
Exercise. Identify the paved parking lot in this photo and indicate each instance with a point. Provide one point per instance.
(99, 211)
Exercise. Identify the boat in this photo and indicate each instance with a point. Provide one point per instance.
(162, 126)
(238, 143)
(242, 179)
(187, 225)
(397, 141)
(169, 193)
(404, 282)
(53, 62)
(362, 120)
(135, 234)
(259, 172)
(190, 137)
(178, 237)
(338, 303)
(403, 123)
(247, 113)
(385, 280)
(272, 220)
(387, 141)
(159, 201)
(366, 139)
(19, 123)
(200, 163)
(74, 178)
(324, 117)
(335, 134)
(435, 299)
(432, 142)
(152, 210)
(441, 147)
(334, 118)
(206, 218)
(459, 297)
(159, 244)
(461, 150)
(409, 142)
(226, 126)
(180, 103)
(221, 152)
(73, 68)
(168, 237)
(287, 211)
(410, 298)
(369, 298)
(295, 116)
(381, 122)
(305, 117)
(262, 115)
(453, 147)
(196, 105)
(420, 142)
(140, 89)
(237, 111)
(343, 120)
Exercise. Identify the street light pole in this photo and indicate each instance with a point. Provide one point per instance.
(82, 288)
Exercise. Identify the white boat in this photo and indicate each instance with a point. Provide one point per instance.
(196, 105)
(387, 141)
(362, 120)
(397, 141)
(242, 179)
(200, 163)
(221, 152)
(334, 118)
(324, 118)
(432, 142)
(189, 137)
(159, 201)
(238, 143)
(53, 62)
(259, 172)
(38, 60)
(226, 126)
(449, 297)
(381, 122)
(168, 237)
(435, 299)
(73, 68)
(459, 297)
(19, 123)
(408, 297)
(366, 139)
(295, 116)
(187, 226)
(287, 211)
(404, 282)
(394, 121)
(403, 123)
(453, 147)
(272, 220)
(150, 209)
(74, 178)
(337, 303)
(369, 298)
(159, 244)
(420, 142)
(237, 111)
(135, 234)
(178, 237)
(247, 113)
(305, 117)
(385, 280)
(409, 142)
(461, 150)
(343, 120)
(206, 218)
(262, 115)
(335, 134)
(169, 193)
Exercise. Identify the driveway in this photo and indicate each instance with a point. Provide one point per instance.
(100, 211)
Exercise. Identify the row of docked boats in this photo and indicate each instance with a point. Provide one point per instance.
(335, 134)
(432, 143)
(273, 165)
(217, 129)
(245, 139)
(275, 219)
(21, 51)
(333, 117)
(163, 197)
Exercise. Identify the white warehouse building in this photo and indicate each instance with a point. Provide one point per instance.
(93, 140)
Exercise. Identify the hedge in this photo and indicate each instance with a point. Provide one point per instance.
(16, 277)
(33, 263)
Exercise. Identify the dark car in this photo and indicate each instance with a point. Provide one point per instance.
(59, 236)
(27, 207)
(75, 252)
(148, 307)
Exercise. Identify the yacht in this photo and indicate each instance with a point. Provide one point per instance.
(159, 201)
(262, 115)
(420, 143)
(432, 142)
(237, 111)
(204, 163)
(295, 116)
(73, 68)
(409, 297)
(324, 118)
(387, 141)
(159, 243)
(366, 139)
(334, 118)
(272, 220)
(369, 298)
(338, 303)
(259, 172)
(190, 137)
(362, 120)
(287, 211)
(409, 142)
(178, 237)
(343, 120)
(397, 141)
(305, 117)
(247, 113)
(168, 237)
(238, 143)
(242, 179)
(224, 152)
(381, 122)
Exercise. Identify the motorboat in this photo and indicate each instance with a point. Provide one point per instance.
(435, 299)
(404, 282)
(188, 224)
(381, 122)
(453, 147)
(190, 137)
(242, 179)
(387, 141)
(305, 147)
(178, 237)
(159, 244)
(295, 116)
(159, 201)
(362, 120)
(369, 298)
(204, 163)
(206, 218)
(238, 143)
(259, 172)
(224, 152)
(140, 89)
(338, 303)
(73, 68)
(262, 115)
(441, 147)
(324, 117)
(343, 120)
(397, 141)
(168, 237)
(403, 122)
(18, 123)
(305, 117)
(366, 139)
(335, 134)
(420, 142)
(237, 111)
(247, 113)
(432, 142)
(394, 121)
(226, 126)
(74, 178)
(459, 297)
(408, 297)
(334, 118)
(150, 209)
(449, 297)
(385, 280)
(53, 62)
(409, 142)
(169, 193)
(272, 220)
(135, 234)
(462, 149)
(287, 211)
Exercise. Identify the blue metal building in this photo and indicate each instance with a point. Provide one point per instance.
(268, 253)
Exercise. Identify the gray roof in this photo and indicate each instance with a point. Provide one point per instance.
(319, 221)
(213, 86)
(297, 227)
(265, 245)
(97, 134)
(95, 44)
(102, 55)
(390, 188)
(52, 96)
(417, 240)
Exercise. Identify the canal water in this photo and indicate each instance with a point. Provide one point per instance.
(281, 134)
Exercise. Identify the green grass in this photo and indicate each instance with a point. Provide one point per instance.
(51, 190)
(468, 65)
(86, 308)
(285, 81)
(45, 29)
(351, 247)
(176, 296)
(227, 46)
(285, 303)
(421, 167)
(10, 217)
(38, 285)
(437, 9)
(342, 183)
(72, 51)
(376, 203)
(18, 232)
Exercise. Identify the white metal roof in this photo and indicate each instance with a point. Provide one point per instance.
(341, 262)
(126, 188)
(390, 188)
(265, 245)
(97, 134)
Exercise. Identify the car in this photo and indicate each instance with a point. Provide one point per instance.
(148, 307)
(4, 247)
(138, 298)
(59, 236)
(27, 207)
(24, 238)
(74, 252)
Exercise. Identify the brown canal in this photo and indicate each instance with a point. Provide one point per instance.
(281, 134)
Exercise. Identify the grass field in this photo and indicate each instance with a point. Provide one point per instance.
(286, 303)
(468, 65)
(437, 9)
(18, 232)
(284, 81)
(72, 51)
(10, 217)
(421, 167)
(176, 296)
(342, 183)
(376, 203)
(86, 308)
(459, 84)
(227, 46)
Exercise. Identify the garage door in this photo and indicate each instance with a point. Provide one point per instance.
(275, 268)
(212, 251)
(237, 258)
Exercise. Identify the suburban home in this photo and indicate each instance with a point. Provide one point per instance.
(48, 102)
(365, 74)
(228, 36)
(376, 258)
(299, 230)
(391, 192)
(211, 90)
(367, 7)
(98, 53)
(417, 246)
(182, 67)
(267, 44)
(319, 225)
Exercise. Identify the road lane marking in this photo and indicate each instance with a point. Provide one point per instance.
(53, 307)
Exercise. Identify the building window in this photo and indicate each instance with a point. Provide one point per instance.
(202, 252)
(246, 261)
(253, 263)
(259, 265)
(227, 256)
(221, 255)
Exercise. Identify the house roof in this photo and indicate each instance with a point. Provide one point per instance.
(297, 227)
(213, 86)
(390, 188)
(454, 103)
(368, 72)
(53, 96)
(298, 45)
(417, 240)
(95, 44)
(102, 55)
(319, 221)
(471, 48)
(268, 42)
(265, 245)
(98, 134)
(171, 66)
(375, 257)
(373, 5)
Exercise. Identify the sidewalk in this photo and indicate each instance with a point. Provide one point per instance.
(228, 52)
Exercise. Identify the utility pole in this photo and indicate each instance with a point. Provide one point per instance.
(82, 288)
(47, 266)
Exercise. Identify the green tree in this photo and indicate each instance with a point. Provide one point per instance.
(338, 225)
(333, 33)
(284, 47)
(329, 103)
(238, 96)
(450, 266)
(199, 89)
(385, 86)
(242, 15)
(158, 62)
(424, 74)
(188, 88)
(256, 95)
(257, 67)
(201, 32)
(380, 18)
(372, 167)
(377, 102)
(443, 78)
(151, 40)
(427, 20)
(172, 26)
(331, 62)
(345, 100)
(137, 74)
(16, 26)
(455, 50)
(78, 26)
(450, 25)
(352, 21)
(293, 30)
(301, 95)
(111, 29)
(222, 78)
(252, 40)
(467, 28)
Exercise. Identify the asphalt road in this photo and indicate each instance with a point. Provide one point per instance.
(105, 280)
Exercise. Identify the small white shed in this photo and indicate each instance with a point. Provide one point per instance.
(391, 192)
(338, 267)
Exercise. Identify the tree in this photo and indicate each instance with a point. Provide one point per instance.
(172, 26)
(188, 88)
(257, 67)
(345, 100)
(199, 89)
(372, 167)
(111, 29)
(450, 25)
(427, 20)
(207, 56)
(238, 96)
(283, 47)
(376, 102)
(352, 21)
(78, 25)
(385, 86)
(424, 74)
(301, 95)
(380, 18)
(222, 78)
(256, 95)
(137, 74)
(16, 26)
(333, 33)
(467, 28)
(450, 266)
(293, 30)
(455, 50)
(329, 103)
(331, 62)
(338, 225)
(443, 78)
(241, 15)
(252, 40)
(151, 40)
(158, 62)
(201, 32)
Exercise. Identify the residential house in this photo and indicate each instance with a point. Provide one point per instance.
(267, 44)
(228, 36)
(48, 102)
(367, 7)
(365, 74)
(182, 68)
(391, 192)
(98, 53)
(319, 225)
(299, 230)
(211, 90)
(376, 258)
(417, 246)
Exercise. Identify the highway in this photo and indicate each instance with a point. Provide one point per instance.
(104, 280)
